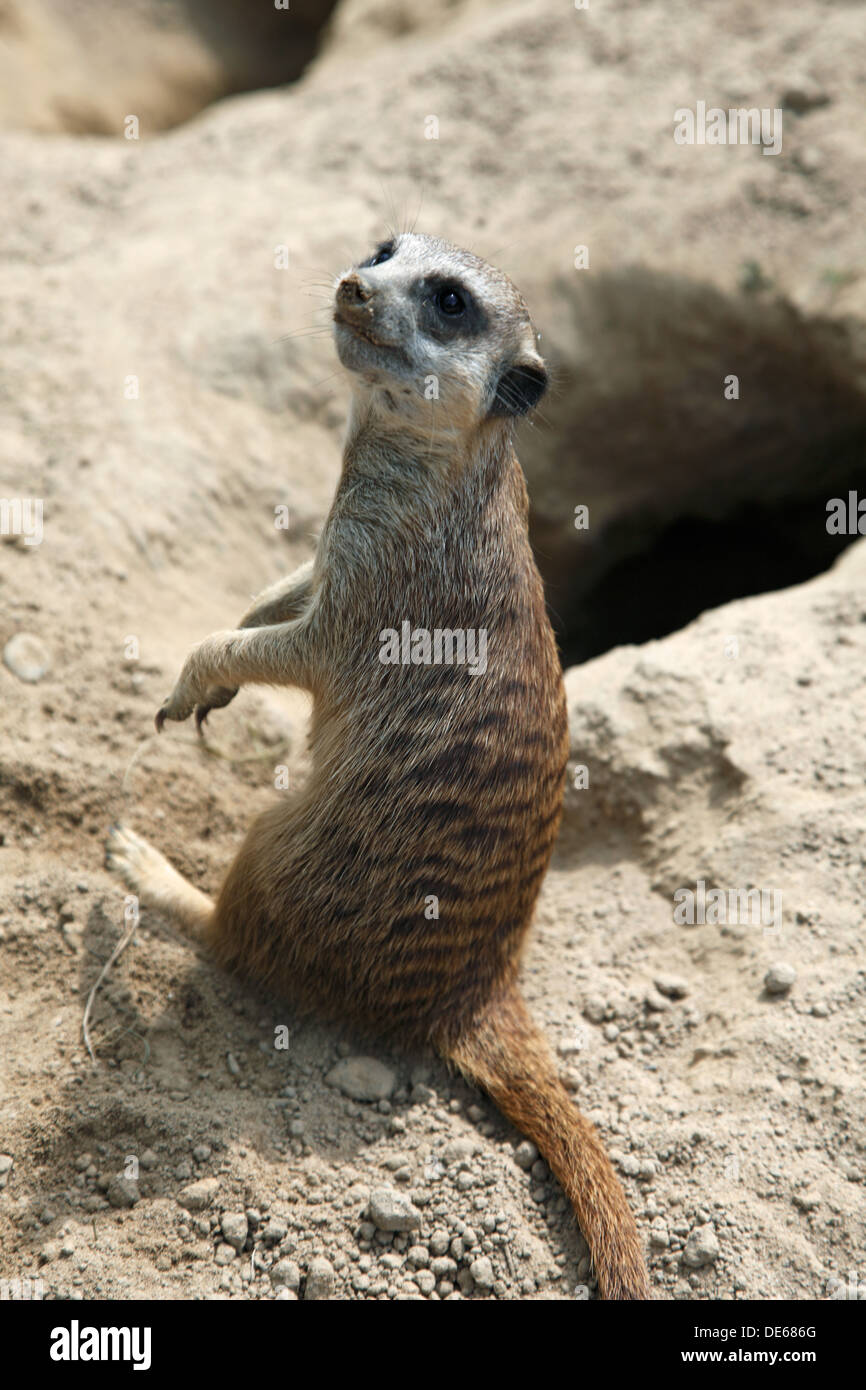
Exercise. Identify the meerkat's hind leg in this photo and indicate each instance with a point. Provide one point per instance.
(156, 882)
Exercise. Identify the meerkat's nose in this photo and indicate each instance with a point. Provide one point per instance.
(352, 291)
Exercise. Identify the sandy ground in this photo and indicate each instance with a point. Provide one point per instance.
(165, 390)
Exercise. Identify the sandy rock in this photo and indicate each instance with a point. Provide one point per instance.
(321, 1279)
(362, 1078)
(780, 978)
(286, 1274)
(672, 986)
(525, 1154)
(393, 1211)
(122, 1192)
(459, 1151)
(234, 1226)
(482, 1273)
(197, 1196)
(702, 1248)
(274, 1231)
(27, 657)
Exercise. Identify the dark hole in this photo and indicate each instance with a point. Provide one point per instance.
(691, 497)
(257, 44)
(695, 564)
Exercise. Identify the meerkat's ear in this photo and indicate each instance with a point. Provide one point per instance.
(519, 388)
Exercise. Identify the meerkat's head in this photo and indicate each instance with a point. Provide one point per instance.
(435, 334)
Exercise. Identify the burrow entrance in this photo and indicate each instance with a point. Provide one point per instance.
(694, 496)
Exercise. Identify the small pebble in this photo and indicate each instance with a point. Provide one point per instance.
(594, 1010)
(702, 1248)
(275, 1231)
(27, 657)
(234, 1227)
(122, 1192)
(198, 1195)
(393, 1211)
(362, 1078)
(482, 1273)
(286, 1274)
(459, 1151)
(659, 1238)
(525, 1155)
(779, 978)
(321, 1279)
(672, 986)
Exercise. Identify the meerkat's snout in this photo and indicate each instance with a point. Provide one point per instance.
(353, 302)
(352, 291)
(361, 330)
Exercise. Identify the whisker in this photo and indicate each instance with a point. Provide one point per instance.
(315, 331)
(314, 386)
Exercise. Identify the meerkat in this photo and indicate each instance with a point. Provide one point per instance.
(395, 890)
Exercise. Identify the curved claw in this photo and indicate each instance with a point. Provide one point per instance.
(159, 719)
(217, 697)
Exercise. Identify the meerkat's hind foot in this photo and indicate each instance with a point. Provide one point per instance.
(156, 882)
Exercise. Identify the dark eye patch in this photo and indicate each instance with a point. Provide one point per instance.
(384, 251)
(447, 309)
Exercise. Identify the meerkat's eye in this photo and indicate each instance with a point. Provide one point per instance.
(384, 253)
(450, 301)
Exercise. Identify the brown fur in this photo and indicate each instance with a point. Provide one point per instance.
(428, 781)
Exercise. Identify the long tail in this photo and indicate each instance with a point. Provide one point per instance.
(506, 1054)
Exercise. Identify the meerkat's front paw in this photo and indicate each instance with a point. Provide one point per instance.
(198, 684)
(179, 706)
(218, 696)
